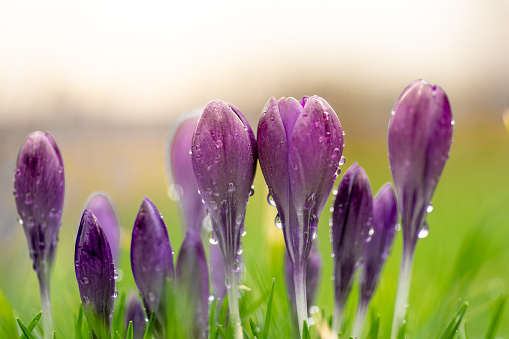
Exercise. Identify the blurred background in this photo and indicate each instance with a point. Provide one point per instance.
(109, 80)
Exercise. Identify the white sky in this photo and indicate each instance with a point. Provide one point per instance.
(139, 60)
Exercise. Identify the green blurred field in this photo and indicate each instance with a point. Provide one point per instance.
(464, 258)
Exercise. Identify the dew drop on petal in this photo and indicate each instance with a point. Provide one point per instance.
(277, 222)
(244, 233)
(85, 281)
(342, 160)
(424, 231)
(371, 231)
(20, 221)
(231, 187)
(240, 250)
(397, 227)
(115, 294)
(453, 122)
(86, 299)
(251, 192)
(270, 200)
(429, 209)
(314, 233)
(335, 153)
(212, 238)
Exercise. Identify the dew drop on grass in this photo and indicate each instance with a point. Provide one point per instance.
(277, 222)
(270, 200)
(397, 227)
(429, 209)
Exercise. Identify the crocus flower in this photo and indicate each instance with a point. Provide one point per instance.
(181, 172)
(385, 218)
(102, 207)
(300, 146)
(192, 282)
(39, 194)
(95, 274)
(313, 268)
(136, 314)
(419, 139)
(152, 262)
(224, 161)
(351, 228)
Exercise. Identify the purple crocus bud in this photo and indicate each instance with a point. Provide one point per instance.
(351, 228)
(313, 269)
(385, 218)
(300, 146)
(152, 262)
(95, 274)
(192, 282)
(39, 194)
(102, 207)
(224, 162)
(181, 172)
(136, 314)
(419, 140)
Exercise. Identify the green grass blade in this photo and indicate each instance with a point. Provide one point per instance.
(451, 329)
(224, 312)
(32, 324)
(25, 330)
(305, 331)
(212, 318)
(255, 329)
(402, 332)
(150, 327)
(374, 330)
(266, 324)
(496, 317)
(7, 321)
(78, 325)
(118, 316)
(130, 332)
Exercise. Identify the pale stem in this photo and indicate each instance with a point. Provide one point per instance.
(337, 319)
(299, 280)
(360, 317)
(47, 318)
(233, 302)
(401, 304)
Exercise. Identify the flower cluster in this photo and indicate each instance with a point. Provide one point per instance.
(212, 160)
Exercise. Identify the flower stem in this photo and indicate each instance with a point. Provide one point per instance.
(359, 319)
(401, 304)
(233, 302)
(47, 319)
(299, 280)
(337, 320)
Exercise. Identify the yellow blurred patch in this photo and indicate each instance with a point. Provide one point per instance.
(505, 117)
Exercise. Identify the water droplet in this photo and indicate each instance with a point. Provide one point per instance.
(429, 209)
(239, 219)
(453, 122)
(213, 205)
(251, 192)
(393, 112)
(331, 209)
(85, 280)
(240, 250)
(28, 198)
(151, 296)
(244, 233)
(332, 255)
(277, 222)
(295, 167)
(216, 159)
(175, 192)
(270, 200)
(115, 294)
(20, 221)
(190, 152)
(212, 238)
(342, 160)
(397, 227)
(335, 153)
(86, 299)
(231, 187)
(314, 233)
(371, 231)
(334, 192)
(219, 143)
(424, 231)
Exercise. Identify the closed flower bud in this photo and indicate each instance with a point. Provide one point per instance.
(136, 314)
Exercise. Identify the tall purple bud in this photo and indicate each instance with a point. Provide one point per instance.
(136, 314)
(39, 194)
(385, 218)
(419, 140)
(180, 168)
(95, 274)
(224, 162)
(192, 282)
(351, 230)
(300, 146)
(152, 263)
(102, 207)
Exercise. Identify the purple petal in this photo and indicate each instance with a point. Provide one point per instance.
(182, 174)
(385, 218)
(95, 272)
(192, 277)
(224, 162)
(419, 139)
(151, 258)
(351, 224)
(136, 314)
(39, 194)
(217, 272)
(102, 207)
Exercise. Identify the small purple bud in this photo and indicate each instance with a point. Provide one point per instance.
(385, 218)
(183, 182)
(192, 283)
(419, 139)
(351, 227)
(152, 262)
(102, 207)
(95, 273)
(224, 162)
(313, 269)
(39, 194)
(136, 314)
